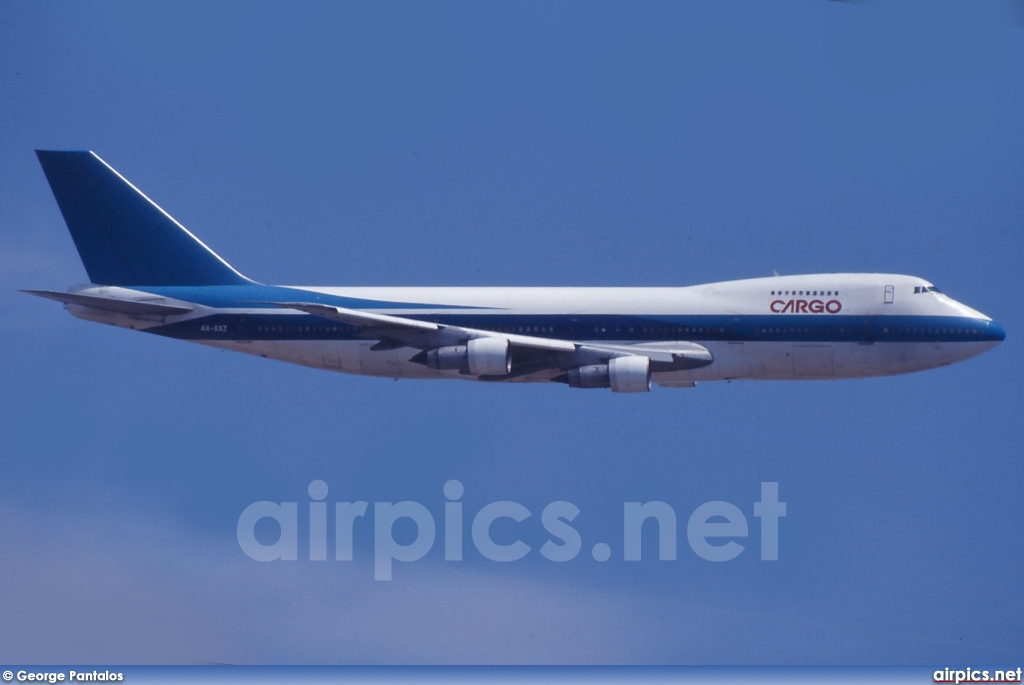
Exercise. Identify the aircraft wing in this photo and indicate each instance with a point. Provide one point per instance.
(663, 353)
(360, 318)
(412, 330)
(427, 335)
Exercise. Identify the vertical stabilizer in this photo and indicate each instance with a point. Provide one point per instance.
(122, 236)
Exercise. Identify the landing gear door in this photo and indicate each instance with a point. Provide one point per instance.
(890, 294)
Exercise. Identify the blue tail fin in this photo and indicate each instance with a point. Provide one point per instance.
(122, 236)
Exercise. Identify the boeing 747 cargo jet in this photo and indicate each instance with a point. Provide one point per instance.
(149, 273)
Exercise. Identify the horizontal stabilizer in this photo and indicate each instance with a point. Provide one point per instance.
(111, 304)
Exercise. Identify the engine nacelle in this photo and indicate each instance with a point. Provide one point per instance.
(480, 357)
(630, 374)
(593, 376)
(622, 374)
(489, 357)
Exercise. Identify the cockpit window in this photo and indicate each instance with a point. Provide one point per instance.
(926, 289)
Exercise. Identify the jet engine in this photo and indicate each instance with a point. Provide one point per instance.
(480, 356)
(622, 374)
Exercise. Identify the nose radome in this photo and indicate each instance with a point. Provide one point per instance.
(996, 332)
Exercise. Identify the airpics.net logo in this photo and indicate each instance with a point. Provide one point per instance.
(715, 531)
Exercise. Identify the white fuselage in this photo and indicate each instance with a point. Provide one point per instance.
(780, 328)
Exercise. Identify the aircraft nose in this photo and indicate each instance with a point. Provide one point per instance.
(995, 332)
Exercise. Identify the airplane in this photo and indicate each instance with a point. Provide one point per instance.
(149, 273)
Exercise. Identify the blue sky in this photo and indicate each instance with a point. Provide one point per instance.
(514, 144)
